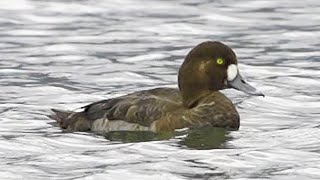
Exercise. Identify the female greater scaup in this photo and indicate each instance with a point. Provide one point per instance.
(208, 68)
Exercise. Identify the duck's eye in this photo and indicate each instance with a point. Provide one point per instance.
(220, 61)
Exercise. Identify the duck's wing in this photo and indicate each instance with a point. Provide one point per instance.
(141, 107)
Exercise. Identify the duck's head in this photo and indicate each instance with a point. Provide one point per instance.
(210, 66)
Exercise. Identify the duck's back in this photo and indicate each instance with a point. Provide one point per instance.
(136, 111)
(141, 107)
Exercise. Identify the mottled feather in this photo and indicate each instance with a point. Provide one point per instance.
(142, 107)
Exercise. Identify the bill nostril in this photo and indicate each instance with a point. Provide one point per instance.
(243, 81)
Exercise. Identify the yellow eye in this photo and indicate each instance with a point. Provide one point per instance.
(220, 61)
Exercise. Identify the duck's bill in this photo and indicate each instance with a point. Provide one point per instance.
(240, 84)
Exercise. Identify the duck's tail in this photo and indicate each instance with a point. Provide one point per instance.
(60, 115)
(70, 121)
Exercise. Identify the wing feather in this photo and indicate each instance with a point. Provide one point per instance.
(142, 107)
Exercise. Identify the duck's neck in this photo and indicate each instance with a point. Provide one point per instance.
(192, 84)
(192, 96)
(192, 90)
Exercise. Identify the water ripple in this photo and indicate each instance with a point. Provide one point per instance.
(58, 54)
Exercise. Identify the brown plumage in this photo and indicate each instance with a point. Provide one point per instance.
(196, 103)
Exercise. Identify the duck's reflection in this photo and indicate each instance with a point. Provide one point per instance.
(206, 138)
(198, 138)
(137, 136)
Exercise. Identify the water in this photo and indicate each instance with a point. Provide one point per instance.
(59, 54)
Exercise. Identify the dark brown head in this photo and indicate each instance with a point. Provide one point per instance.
(210, 66)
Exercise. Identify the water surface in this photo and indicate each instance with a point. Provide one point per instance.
(59, 54)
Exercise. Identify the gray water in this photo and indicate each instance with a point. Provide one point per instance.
(65, 54)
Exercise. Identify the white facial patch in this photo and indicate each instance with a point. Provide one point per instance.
(232, 72)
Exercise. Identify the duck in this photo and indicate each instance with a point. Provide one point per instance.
(209, 67)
